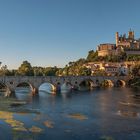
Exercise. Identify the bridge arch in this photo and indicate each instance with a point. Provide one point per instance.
(2, 86)
(86, 84)
(24, 85)
(24, 90)
(66, 87)
(120, 83)
(107, 83)
(47, 87)
(4, 89)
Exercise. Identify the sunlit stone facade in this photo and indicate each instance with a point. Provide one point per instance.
(129, 44)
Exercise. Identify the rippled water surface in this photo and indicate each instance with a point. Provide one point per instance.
(101, 114)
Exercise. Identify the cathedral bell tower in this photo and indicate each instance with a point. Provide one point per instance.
(117, 38)
(131, 34)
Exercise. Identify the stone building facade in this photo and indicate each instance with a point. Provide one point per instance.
(107, 49)
(127, 44)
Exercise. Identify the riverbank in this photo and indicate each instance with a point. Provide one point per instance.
(135, 83)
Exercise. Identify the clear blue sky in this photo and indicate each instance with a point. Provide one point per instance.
(54, 32)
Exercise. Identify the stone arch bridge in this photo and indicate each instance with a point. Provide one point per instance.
(11, 82)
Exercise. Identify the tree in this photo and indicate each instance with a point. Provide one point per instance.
(25, 69)
(50, 71)
(100, 73)
(59, 72)
(83, 71)
(3, 70)
(92, 56)
(136, 70)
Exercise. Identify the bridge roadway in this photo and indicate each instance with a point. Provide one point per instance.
(11, 82)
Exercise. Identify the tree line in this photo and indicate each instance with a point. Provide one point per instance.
(75, 68)
(26, 69)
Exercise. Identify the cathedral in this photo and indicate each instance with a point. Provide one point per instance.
(127, 44)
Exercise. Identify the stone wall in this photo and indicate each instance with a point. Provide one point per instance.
(12, 82)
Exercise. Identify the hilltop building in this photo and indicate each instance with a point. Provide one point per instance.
(107, 49)
(129, 45)
(127, 42)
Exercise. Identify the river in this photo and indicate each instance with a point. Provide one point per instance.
(100, 114)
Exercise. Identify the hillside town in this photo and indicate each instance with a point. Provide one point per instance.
(111, 69)
(119, 59)
(125, 47)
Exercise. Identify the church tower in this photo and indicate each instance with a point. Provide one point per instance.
(117, 38)
(131, 34)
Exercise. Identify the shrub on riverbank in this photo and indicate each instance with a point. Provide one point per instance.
(135, 82)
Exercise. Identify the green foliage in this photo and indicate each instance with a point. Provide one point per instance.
(100, 73)
(111, 58)
(75, 68)
(48, 71)
(133, 58)
(38, 71)
(84, 71)
(92, 56)
(136, 70)
(3, 70)
(11, 72)
(25, 69)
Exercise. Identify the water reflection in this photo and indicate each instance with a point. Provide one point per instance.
(49, 124)
(103, 113)
(2, 93)
(43, 94)
(128, 113)
(23, 94)
(66, 95)
(48, 88)
(77, 116)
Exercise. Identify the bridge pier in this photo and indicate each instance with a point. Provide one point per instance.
(9, 92)
(34, 91)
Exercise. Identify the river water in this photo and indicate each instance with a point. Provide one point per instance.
(100, 114)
